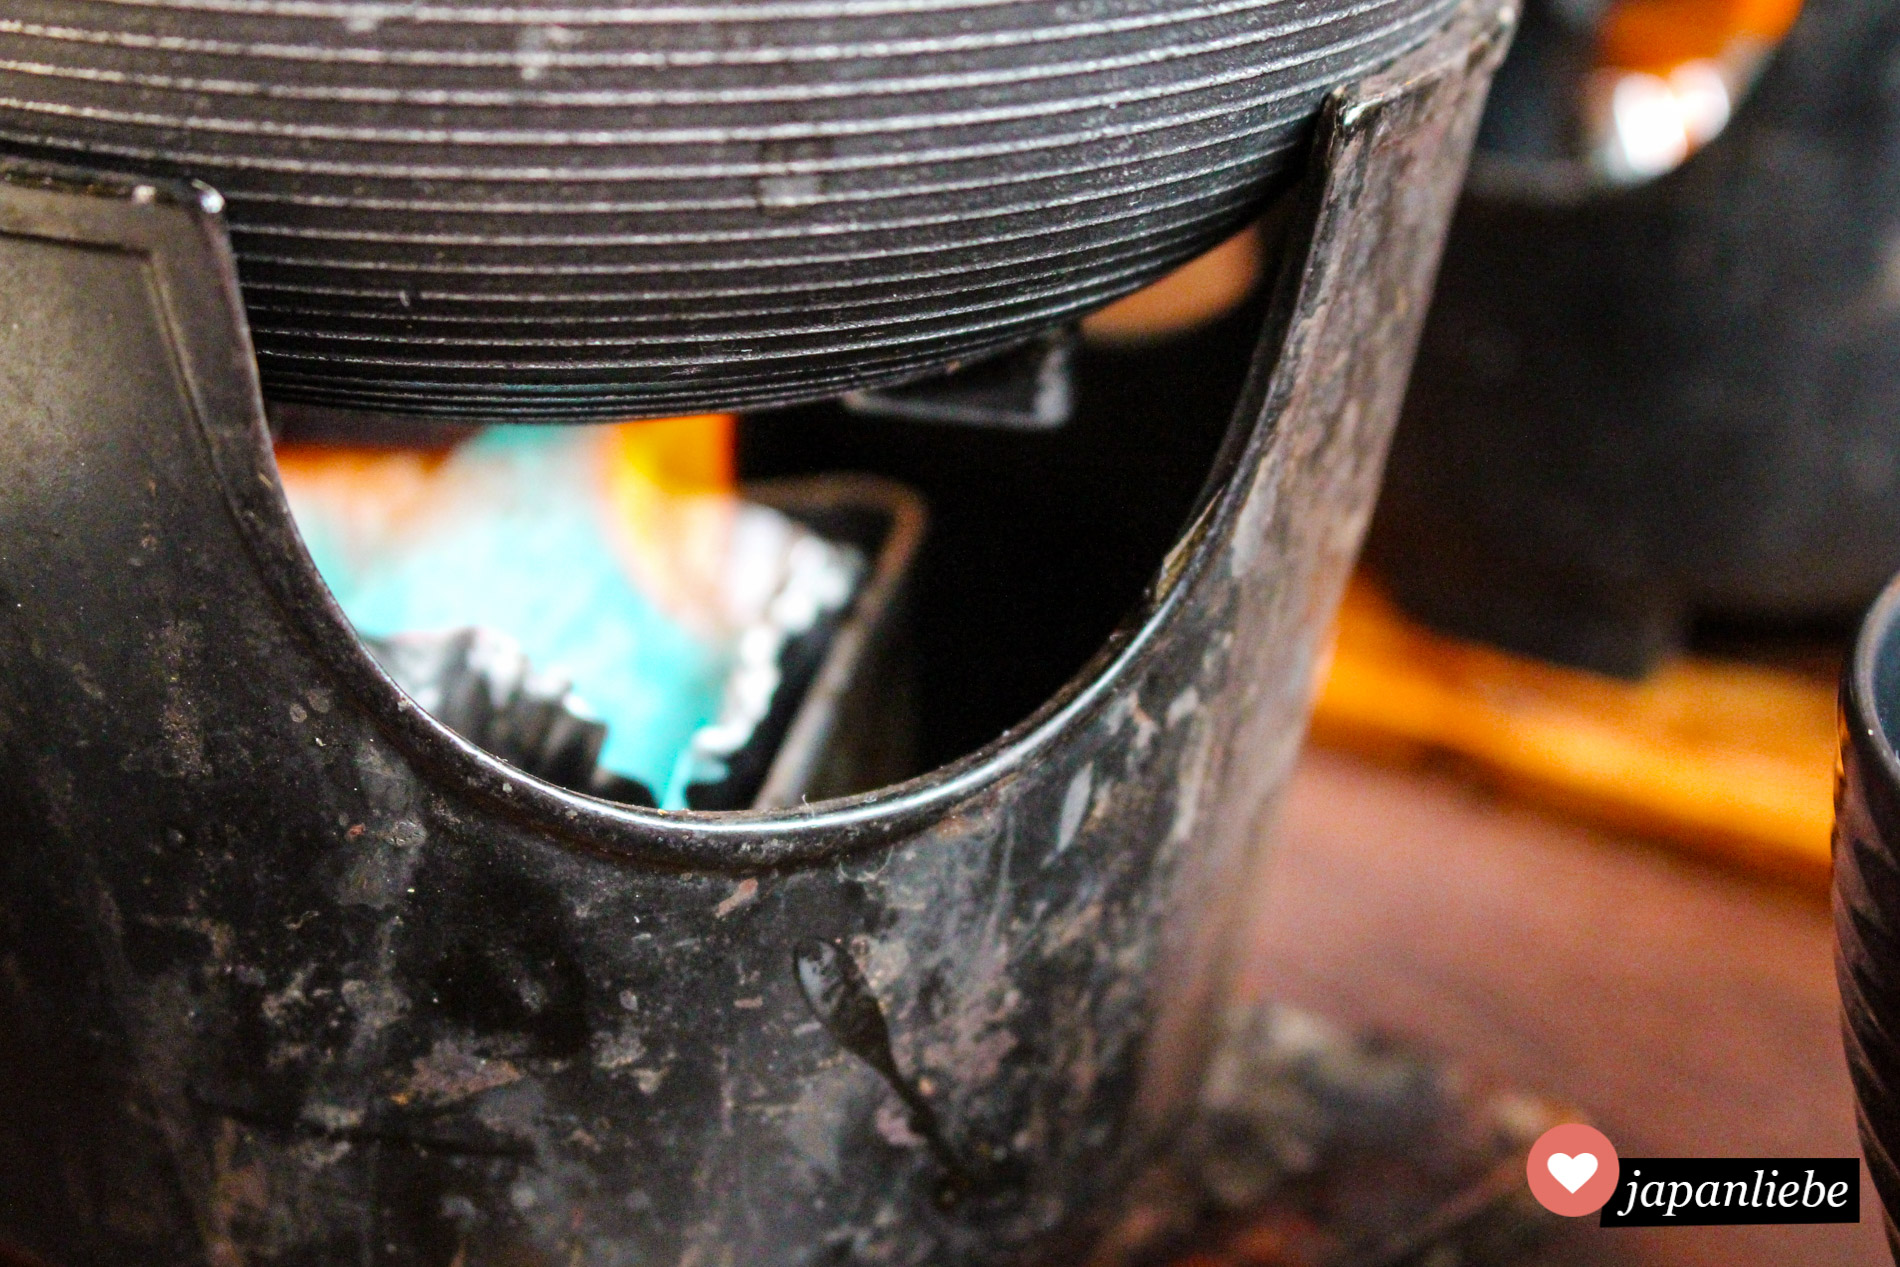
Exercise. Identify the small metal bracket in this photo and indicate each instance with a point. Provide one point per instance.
(1028, 388)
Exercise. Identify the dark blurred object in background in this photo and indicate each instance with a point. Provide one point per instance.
(1642, 404)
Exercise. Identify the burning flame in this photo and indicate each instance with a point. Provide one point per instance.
(1670, 73)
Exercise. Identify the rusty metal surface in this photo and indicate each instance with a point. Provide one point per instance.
(295, 976)
(1313, 1146)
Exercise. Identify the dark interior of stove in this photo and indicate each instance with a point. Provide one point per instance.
(1039, 542)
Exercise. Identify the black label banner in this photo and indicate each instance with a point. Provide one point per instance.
(1711, 1191)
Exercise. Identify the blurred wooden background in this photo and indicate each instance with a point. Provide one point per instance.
(1690, 1009)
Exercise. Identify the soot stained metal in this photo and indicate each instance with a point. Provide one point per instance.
(327, 984)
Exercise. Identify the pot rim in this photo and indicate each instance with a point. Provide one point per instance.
(1879, 631)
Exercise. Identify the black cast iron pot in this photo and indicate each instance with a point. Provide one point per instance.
(1637, 406)
(1867, 891)
(594, 210)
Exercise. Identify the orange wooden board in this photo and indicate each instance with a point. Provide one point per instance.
(1728, 758)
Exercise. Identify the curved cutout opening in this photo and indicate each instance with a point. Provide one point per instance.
(1044, 543)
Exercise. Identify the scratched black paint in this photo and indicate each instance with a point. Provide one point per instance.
(328, 985)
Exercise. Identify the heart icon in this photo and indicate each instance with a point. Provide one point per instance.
(1572, 1172)
(1572, 1169)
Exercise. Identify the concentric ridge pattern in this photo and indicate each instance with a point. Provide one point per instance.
(563, 211)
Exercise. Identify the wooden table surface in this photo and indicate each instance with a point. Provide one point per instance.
(1690, 1011)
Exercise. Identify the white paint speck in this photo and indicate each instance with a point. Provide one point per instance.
(617, 1051)
(788, 193)
(1075, 806)
(1183, 706)
(536, 48)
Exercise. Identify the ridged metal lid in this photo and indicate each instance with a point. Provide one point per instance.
(569, 211)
